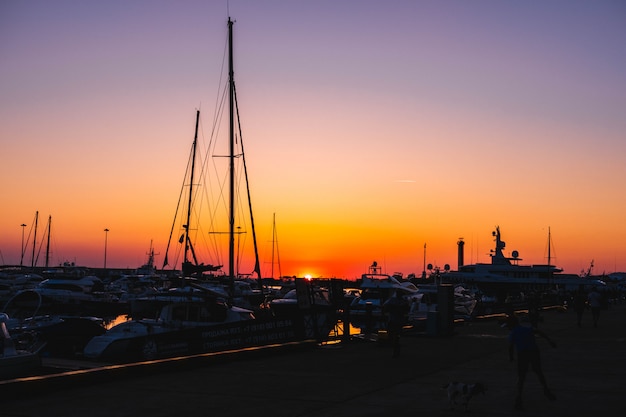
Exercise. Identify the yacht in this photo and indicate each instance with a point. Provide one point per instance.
(506, 274)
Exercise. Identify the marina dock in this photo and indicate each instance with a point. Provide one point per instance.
(586, 371)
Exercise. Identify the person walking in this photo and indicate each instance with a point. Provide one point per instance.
(580, 304)
(534, 309)
(522, 340)
(397, 309)
(595, 303)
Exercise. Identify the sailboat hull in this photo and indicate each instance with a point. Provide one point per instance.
(148, 343)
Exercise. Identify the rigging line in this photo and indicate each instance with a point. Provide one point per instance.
(204, 200)
(32, 229)
(178, 205)
(26, 244)
(220, 101)
(210, 156)
(280, 272)
(210, 189)
(222, 202)
(214, 190)
(257, 266)
(217, 118)
(193, 194)
(43, 239)
(55, 244)
(275, 247)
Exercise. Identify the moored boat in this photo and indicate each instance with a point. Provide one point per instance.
(366, 311)
(17, 359)
(63, 334)
(505, 275)
(183, 327)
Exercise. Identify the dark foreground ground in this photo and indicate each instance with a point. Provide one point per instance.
(587, 372)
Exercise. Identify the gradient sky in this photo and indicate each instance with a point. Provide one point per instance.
(371, 128)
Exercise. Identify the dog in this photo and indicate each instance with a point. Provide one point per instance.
(460, 393)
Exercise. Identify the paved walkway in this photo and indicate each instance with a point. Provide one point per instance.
(587, 372)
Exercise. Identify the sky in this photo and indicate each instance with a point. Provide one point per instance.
(373, 131)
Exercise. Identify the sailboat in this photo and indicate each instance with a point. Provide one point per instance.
(195, 318)
(184, 317)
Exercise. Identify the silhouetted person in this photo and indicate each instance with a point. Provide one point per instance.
(534, 310)
(396, 309)
(595, 303)
(579, 302)
(522, 340)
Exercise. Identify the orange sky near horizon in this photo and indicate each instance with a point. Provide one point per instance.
(369, 129)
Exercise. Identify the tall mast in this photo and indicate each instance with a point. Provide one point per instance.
(257, 265)
(231, 104)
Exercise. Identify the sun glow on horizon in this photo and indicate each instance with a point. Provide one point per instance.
(478, 127)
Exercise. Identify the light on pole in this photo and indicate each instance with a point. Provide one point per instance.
(22, 252)
(237, 266)
(106, 235)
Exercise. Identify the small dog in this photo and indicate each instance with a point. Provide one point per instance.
(460, 393)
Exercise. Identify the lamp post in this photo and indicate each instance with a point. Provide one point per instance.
(106, 235)
(237, 266)
(22, 252)
(424, 270)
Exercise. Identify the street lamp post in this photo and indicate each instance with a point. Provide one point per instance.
(22, 252)
(237, 266)
(424, 270)
(106, 235)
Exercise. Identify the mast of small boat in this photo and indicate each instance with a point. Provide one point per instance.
(48, 243)
(549, 256)
(151, 256)
(189, 201)
(32, 262)
(275, 246)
